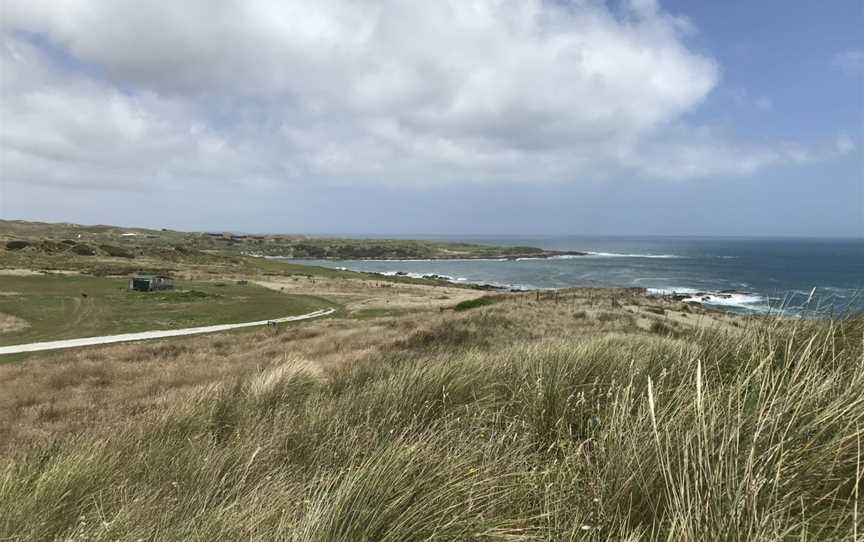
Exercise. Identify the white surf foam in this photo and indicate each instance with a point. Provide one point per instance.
(734, 300)
(462, 280)
(427, 260)
(399, 274)
(675, 290)
(741, 300)
(619, 255)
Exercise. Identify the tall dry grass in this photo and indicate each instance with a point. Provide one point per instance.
(751, 435)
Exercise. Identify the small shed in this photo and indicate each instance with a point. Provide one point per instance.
(151, 283)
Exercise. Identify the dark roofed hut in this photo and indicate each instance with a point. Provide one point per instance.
(151, 283)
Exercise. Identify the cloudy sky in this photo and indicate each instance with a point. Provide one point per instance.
(447, 116)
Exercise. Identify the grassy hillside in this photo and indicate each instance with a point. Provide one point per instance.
(54, 306)
(582, 419)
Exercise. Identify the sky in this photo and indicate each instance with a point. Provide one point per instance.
(534, 117)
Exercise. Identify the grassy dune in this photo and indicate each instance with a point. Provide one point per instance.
(461, 426)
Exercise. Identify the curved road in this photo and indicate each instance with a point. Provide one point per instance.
(145, 335)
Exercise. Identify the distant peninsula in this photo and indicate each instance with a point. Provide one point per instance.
(56, 240)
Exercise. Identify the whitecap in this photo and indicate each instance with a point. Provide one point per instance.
(740, 300)
(672, 290)
(619, 255)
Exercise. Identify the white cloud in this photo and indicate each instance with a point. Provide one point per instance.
(262, 93)
(850, 62)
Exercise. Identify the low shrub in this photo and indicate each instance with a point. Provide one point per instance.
(116, 252)
(50, 247)
(474, 303)
(16, 245)
(83, 250)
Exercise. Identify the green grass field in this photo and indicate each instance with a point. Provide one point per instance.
(72, 306)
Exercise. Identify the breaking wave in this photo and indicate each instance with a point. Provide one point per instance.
(619, 255)
(740, 300)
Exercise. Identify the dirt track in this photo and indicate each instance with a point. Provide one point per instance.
(146, 335)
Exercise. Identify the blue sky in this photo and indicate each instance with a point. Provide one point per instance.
(471, 117)
(778, 50)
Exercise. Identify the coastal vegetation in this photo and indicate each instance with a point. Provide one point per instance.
(474, 303)
(420, 411)
(58, 242)
(513, 421)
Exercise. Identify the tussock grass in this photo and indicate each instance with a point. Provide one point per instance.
(715, 435)
(474, 303)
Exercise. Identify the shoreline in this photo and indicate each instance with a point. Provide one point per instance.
(545, 255)
(703, 298)
(726, 301)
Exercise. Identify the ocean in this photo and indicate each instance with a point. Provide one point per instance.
(740, 275)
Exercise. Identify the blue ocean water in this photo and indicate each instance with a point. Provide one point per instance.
(743, 275)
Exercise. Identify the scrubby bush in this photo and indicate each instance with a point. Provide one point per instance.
(17, 245)
(474, 303)
(49, 247)
(116, 252)
(83, 250)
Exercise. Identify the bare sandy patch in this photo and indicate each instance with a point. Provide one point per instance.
(32, 272)
(18, 272)
(372, 294)
(9, 323)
